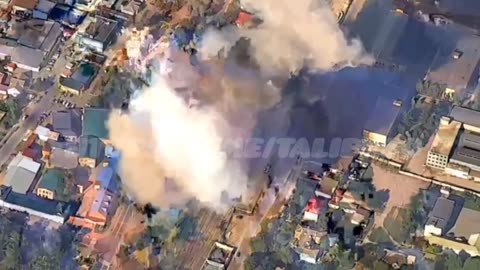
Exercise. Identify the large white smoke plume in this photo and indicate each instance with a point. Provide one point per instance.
(293, 34)
(164, 137)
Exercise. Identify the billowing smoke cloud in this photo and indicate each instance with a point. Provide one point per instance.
(163, 138)
(293, 34)
(173, 151)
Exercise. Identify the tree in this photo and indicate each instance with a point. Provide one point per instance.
(453, 262)
(12, 251)
(13, 113)
(45, 262)
(258, 244)
(472, 263)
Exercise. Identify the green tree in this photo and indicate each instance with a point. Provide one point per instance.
(453, 262)
(45, 262)
(258, 244)
(12, 251)
(13, 113)
(472, 263)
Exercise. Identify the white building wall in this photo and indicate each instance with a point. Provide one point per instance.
(54, 218)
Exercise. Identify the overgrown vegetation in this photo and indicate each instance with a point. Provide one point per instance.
(421, 121)
(13, 113)
(379, 236)
(24, 246)
(452, 261)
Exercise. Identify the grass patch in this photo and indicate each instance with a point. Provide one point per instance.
(379, 236)
(398, 224)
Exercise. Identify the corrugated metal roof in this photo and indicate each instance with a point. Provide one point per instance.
(466, 224)
(457, 73)
(27, 57)
(67, 122)
(382, 117)
(29, 164)
(441, 213)
(466, 116)
(20, 179)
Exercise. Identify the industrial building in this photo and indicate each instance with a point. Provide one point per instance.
(380, 127)
(443, 142)
(468, 117)
(456, 146)
(467, 152)
(457, 68)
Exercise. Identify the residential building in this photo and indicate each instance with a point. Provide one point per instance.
(219, 257)
(33, 205)
(380, 127)
(36, 42)
(326, 187)
(397, 259)
(99, 33)
(462, 236)
(69, 85)
(361, 216)
(472, 249)
(80, 79)
(23, 7)
(91, 152)
(95, 123)
(466, 227)
(68, 123)
(439, 217)
(100, 200)
(52, 185)
(43, 133)
(308, 244)
(456, 68)
(87, 5)
(442, 145)
(44, 7)
(21, 172)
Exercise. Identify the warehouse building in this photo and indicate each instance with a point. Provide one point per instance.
(380, 127)
(467, 152)
(457, 68)
(469, 118)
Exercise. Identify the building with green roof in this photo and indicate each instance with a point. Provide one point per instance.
(95, 123)
(52, 185)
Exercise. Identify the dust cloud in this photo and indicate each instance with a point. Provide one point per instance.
(174, 141)
(293, 34)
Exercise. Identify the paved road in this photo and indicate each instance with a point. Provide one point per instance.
(36, 110)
